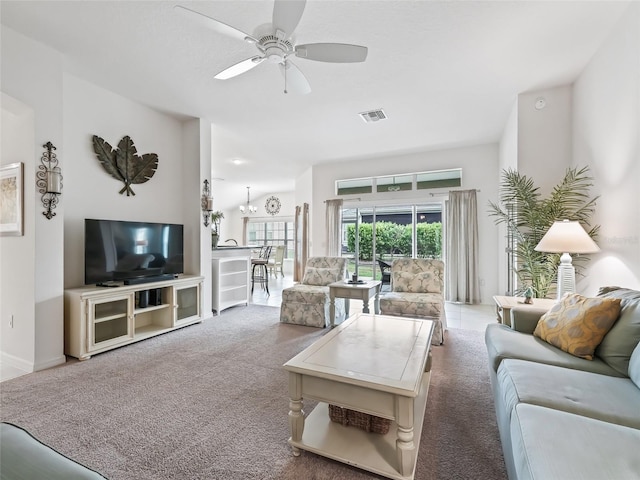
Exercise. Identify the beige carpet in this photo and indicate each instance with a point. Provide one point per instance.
(210, 402)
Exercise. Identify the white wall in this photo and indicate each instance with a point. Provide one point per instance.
(196, 164)
(16, 252)
(606, 118)
(39, 252)
(507, 159)
(231, 225)
(91, 192)
(544, 136)
(479, 170)
(68, 111)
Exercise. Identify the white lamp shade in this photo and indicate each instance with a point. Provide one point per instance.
(567, 236)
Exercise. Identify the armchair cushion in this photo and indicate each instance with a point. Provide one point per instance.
(412, 304)
(417, 275)
(308, 294)
(321, 276)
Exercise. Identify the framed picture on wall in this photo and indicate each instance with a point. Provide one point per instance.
(11, 196)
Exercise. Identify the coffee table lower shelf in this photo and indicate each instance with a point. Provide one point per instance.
(369, 451)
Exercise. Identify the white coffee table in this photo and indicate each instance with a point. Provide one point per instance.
(364, 291)
(374, 364)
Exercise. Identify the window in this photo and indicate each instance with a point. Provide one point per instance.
(387, 232)
(354, 186)
(407, 181)
(271, 233)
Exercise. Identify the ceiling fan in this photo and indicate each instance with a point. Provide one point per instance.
(275, 44)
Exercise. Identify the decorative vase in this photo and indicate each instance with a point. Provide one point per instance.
(214, 240)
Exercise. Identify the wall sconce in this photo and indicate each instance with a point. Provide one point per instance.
(206, 203)
(49, 180)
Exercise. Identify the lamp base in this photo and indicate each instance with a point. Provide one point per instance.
(566, 276)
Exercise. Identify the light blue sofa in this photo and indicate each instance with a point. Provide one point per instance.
(23, 457)
(563, 417)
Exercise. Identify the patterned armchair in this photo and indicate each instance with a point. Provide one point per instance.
(417, 290)
(307, 303)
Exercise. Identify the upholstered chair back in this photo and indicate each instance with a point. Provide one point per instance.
(321, 271)
(417, 275)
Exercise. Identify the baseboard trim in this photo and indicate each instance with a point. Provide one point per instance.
(16, 362)
(53, 362)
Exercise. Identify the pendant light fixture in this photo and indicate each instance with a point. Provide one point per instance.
(248, 208)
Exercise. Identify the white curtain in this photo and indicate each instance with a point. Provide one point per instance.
(301, 244)
(333, 228)
(461, 236)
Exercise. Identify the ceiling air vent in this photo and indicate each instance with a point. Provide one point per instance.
(373, 116)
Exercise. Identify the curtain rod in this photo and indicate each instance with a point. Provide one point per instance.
(356, 198)
(449, 191)
(430, 194)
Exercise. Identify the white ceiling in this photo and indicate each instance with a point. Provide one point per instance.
(446, 73)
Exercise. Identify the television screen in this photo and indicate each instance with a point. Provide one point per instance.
(120, 250)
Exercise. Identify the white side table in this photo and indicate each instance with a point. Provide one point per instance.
(505, 304)
(364, 291)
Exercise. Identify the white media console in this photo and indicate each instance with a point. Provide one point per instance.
(98, 319)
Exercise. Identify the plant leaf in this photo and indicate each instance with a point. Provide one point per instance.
(527, 217)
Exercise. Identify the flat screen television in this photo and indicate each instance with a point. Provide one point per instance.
(122, 251)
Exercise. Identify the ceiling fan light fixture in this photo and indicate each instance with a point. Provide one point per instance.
(276, 43)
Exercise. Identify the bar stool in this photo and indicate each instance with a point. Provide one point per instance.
(261, 276)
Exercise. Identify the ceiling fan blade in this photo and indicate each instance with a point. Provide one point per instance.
(287, 14)
(332, 52)
(239, 68)
(214, 24)
(294, 79)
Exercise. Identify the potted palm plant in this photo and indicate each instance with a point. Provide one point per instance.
(215, 227)
(528, 216)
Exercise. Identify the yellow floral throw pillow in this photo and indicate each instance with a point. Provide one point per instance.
(577, 324)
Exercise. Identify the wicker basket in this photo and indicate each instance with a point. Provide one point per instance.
(363, 421)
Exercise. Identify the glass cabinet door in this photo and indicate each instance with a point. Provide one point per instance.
(187, 302)
(110, 321)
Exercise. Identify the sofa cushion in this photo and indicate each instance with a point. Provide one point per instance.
(551, 444)
(503, 342)
(23, 456)
(634, 366)
(617, 345)
(606, 398)
(577, 324)
(320, 276)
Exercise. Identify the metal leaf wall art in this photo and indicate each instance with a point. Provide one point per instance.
(124, 163)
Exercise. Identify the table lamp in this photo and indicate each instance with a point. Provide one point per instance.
(566, 237)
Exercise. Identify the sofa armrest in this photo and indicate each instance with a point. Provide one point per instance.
(23, 456)
(525, 319)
